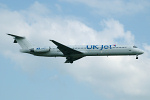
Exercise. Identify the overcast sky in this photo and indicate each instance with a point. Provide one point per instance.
(74, 22)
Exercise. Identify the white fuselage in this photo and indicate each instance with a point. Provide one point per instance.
(73, 53)
(89, 50)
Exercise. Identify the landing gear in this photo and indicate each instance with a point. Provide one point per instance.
(136, 56)
(71, 62)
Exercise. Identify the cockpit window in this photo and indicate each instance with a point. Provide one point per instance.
(134, 46)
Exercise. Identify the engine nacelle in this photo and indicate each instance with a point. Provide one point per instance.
(25, 50)
(40, 50)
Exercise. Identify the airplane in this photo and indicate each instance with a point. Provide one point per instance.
(73, 53)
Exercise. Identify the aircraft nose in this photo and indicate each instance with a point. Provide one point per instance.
(141, 52)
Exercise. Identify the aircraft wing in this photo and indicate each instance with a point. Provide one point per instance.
(71, 54)
(73, 59)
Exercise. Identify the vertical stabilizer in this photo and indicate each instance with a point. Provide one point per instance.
(21, 41)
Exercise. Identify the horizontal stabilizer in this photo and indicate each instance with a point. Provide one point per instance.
(15, 36)
(21, 41)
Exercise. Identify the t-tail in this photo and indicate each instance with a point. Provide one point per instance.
(22, 41)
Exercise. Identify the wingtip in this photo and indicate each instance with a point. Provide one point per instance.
(51, 40)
